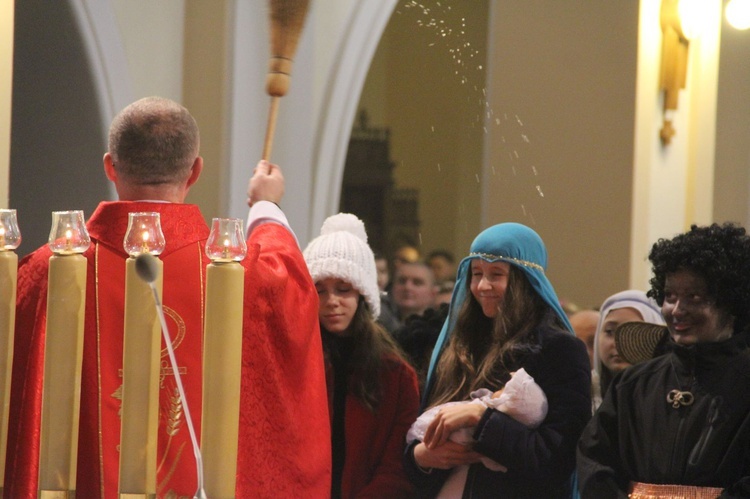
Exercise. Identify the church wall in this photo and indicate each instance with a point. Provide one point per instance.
(563, 80)
(732, 185)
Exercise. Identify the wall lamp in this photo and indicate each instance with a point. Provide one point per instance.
(738, 14)
(680, 22)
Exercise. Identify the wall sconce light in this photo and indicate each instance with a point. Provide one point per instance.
(738, 14)
(680, 22)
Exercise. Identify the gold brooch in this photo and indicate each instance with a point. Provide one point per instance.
(678, 398)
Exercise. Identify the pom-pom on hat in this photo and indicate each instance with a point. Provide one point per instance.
(341, 252)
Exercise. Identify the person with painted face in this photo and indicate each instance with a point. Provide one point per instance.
(504, 315)
(372, 390)
(678, 425)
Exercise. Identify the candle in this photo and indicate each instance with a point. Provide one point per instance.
(222, 364)
(145, 238)
(10, 235)
(144, 234)
(68, 234)
(141, 361)
(10, 239)
(222, 355)
(8, 280)
(225, 252)
(63, 347)
(140, 385)
(66, 301)
(68, 240)
(226, 242)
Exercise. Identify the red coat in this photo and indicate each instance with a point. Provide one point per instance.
(375, 442)
(280, 329)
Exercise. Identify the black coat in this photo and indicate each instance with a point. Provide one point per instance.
(636, 435)
(540, 461)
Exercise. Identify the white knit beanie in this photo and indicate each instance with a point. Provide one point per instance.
(341, 252)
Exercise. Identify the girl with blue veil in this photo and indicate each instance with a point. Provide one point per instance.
(504, 315)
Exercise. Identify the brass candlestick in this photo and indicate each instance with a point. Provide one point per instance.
(61, 393)
(141, 362)
(10, 238)
(222, 356)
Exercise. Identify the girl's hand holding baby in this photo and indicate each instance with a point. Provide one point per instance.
(450, 419)
(447, 456)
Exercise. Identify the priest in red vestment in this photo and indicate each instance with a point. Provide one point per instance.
(284, 445)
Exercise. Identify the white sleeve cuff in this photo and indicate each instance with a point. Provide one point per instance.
(267, 212)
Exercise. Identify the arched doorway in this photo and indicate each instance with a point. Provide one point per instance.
(424, 95)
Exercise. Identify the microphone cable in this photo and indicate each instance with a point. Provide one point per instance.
(145, 266)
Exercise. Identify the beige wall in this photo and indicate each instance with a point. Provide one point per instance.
(153, 35)
(204, 90)
(732, 185)
(556, 129)
(564, 74)
(178, 50)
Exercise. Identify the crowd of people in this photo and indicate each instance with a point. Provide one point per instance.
(430, 377)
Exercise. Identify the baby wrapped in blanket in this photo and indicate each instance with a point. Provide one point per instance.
(521, 398)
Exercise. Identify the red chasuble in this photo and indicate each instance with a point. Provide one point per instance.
(281, 350)
(285, 433)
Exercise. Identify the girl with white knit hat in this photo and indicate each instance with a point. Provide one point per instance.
(372, 391)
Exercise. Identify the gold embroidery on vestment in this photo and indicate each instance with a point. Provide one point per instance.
(99, 370)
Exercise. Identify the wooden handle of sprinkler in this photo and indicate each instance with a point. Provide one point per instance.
(286, 20)
(270, 128)
(277, 85)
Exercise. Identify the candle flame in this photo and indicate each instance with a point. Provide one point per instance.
(145, 237)
(68, 240)
(226, 248)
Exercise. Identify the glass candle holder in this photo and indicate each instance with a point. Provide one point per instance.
(68, 234)
(144, 234)
(10, 235)
(226, 243)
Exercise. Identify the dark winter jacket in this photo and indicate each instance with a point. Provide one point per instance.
(540, 461)
(637, 435)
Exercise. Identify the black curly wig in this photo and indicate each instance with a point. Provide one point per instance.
(720, 254)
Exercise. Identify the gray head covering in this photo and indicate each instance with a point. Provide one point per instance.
(632, 298)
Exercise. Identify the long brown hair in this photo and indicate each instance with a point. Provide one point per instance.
(482, 350)
(372, 349)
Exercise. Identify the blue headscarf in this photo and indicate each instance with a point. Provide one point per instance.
(515, 244)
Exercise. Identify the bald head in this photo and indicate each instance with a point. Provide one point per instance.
(405, 254)
(154, 141)
(584, 324)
